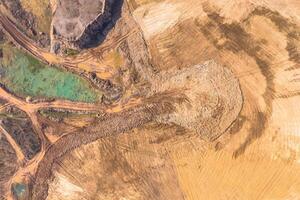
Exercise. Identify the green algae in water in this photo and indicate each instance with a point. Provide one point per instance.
(26, 76)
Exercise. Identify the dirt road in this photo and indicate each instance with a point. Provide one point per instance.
(82, 62)
(135, 111)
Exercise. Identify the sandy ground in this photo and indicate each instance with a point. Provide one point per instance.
(258, 158)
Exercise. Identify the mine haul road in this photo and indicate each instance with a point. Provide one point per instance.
(83, 62)
(137, 111)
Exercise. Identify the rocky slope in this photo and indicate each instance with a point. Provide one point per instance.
(75, 22)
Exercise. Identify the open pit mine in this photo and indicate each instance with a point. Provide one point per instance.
(149, 99)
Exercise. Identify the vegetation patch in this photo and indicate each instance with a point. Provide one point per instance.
(71, 52)
(41, 10)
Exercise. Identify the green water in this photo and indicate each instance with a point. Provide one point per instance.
(26, 76)
(19, 189)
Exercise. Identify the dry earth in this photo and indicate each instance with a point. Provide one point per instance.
(235, 134)
(259, 156)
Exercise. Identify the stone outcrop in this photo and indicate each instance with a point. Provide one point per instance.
(75, 22)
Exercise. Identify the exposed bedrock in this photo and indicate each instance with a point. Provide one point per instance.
(77, 23)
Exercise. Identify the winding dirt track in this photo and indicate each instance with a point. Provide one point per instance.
(52, 150)
(64, 104)
(75, 63)
(135, 112)
(65, 143)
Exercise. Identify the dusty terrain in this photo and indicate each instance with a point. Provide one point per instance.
(71, 17)
(73, 21)
(200, 102)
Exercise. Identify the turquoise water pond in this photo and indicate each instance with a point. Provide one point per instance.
(26, 76)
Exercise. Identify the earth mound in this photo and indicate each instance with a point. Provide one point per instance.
(214, 98)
